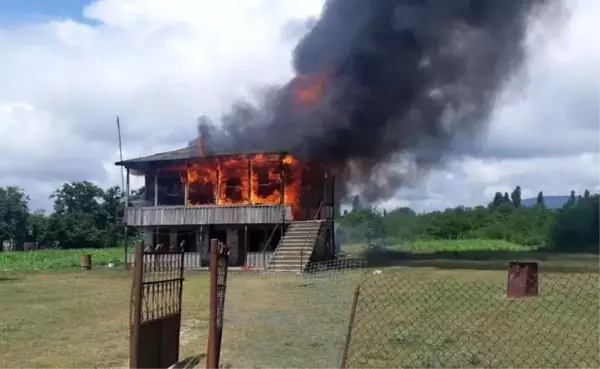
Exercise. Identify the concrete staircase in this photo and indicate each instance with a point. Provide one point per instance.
(295, 248)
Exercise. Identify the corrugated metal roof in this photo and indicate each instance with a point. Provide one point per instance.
(186, 153)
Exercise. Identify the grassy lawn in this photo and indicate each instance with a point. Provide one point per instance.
(405, 317)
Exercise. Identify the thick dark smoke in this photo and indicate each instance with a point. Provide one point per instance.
(405, 78)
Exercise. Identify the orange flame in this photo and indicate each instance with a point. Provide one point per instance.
(245, 179)
(308, 89)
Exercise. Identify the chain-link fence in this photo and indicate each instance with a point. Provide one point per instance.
(289, 320)
(342, 314)
(415, 317)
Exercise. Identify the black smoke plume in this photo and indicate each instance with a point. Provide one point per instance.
(404, 79)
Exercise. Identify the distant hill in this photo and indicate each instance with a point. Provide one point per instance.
(553, 202)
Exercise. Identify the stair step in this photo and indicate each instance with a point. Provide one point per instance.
(295, 256)
(305, 226)
(302, 229)
(298, 241)
(293, 253)
(301, 234)
(290, 261)
(300, 237)
(294, 248)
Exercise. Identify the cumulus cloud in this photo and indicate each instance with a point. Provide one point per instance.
(161, 64)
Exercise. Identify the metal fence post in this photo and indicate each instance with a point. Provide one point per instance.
(211, 354)
(344, 362)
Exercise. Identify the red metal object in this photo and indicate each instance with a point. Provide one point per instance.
(522, 279)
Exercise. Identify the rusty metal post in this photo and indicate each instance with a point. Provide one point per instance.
(211, 354)
(223, 261)
(344, 362)
(522, 279)
(136, 319)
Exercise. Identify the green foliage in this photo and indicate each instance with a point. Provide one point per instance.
(515, 197)
(57, 258)
(85, 216)
(462, 245)
(577, 226)
(571, 229)
(14, 214)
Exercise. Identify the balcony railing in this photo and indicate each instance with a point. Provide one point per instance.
(139, 216)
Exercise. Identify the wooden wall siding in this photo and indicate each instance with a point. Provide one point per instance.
(258, 260)
(206, 214)
(192, 260)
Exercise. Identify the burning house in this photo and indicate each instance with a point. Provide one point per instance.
(376, 83)
(272, 209)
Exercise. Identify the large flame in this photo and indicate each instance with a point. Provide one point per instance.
(245, 179)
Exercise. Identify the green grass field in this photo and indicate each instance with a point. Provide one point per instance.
(406, 316)
(64, 259)
(423, 313)
(57, 258)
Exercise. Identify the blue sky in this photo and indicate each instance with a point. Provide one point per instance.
(19, 11)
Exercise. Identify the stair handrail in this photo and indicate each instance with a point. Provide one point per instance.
(306, 240)
(270, 238)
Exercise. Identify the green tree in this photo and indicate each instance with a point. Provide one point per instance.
(86, 216)
(14, 215)
(356, 204)
(498, 199)
(576, 228)
(515, 196)
(540, 199)
(572, 198)
(38, 228)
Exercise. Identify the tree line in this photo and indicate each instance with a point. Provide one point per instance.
(84, 216)
(87, 216)
(572, 228)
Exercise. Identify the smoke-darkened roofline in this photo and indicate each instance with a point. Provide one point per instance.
(184, 154)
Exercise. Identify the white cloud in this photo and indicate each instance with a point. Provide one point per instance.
(160, 64)
(156, 64)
